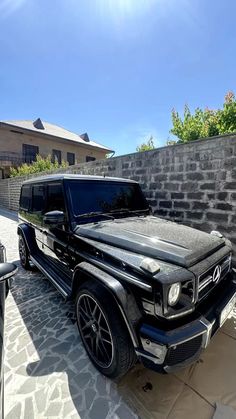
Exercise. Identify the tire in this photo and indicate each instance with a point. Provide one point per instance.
(24, 253)
(103, 331)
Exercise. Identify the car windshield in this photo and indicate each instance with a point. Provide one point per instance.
(93, 198)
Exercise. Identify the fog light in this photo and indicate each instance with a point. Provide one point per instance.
(174, 293)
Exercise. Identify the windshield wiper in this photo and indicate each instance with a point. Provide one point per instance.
(127, 211)
(95, 214)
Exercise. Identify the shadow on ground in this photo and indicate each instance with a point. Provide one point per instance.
(48, 372)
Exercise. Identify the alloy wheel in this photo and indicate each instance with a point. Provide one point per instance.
(95, 331)
(22, 250)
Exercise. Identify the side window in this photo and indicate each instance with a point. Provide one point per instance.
(25, 197)
(55, 198)
(38, 198)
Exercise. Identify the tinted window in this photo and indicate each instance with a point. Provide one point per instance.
(38, 198)
(89, 196)
(25, 197)
(55, 199)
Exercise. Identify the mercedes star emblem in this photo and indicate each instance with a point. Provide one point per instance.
(216, 274)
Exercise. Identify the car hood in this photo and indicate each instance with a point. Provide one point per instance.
(154, 237)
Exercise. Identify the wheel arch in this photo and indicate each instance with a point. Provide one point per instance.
(123, 297)
(29, 236)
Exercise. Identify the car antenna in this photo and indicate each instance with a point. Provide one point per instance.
(104, 175)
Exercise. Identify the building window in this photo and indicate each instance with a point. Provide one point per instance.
(90, 158)
(29, 152)
(70, 158)
(56, 156)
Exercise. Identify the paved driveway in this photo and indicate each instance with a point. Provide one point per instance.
(48, 375)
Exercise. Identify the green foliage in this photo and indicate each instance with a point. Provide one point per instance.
(149, 145)
(205, 123)
(40, 165)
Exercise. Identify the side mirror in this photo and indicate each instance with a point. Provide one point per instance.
(54, 218)
(7, 270)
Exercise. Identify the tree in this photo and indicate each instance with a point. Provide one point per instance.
(205, 123)
(40, 165)
(149, 145)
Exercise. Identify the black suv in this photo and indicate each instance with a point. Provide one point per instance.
(144, 287)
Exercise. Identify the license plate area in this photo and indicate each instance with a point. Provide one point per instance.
(227, 310)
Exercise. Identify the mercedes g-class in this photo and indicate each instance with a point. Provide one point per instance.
(144, 287)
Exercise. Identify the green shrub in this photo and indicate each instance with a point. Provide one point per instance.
(40, 165)
(149, 145)
(205, 123)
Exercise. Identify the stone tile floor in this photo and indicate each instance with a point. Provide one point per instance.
(48, 374)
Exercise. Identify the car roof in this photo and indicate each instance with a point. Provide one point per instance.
(66, 176)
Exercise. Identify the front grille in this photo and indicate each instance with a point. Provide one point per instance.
(180, 353)
(205, 280)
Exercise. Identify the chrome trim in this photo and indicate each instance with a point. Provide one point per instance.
(147, 356)
(207, 334)
(209, 278)
(205, 283)
(41, 268)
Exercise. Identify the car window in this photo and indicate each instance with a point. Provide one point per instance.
(55, 198)
(25, 197)
(38, 198)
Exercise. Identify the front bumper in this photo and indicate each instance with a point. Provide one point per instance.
(167, 351)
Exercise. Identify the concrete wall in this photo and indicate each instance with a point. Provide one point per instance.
(193, 183)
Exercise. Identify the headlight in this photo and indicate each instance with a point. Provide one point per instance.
(174, 293)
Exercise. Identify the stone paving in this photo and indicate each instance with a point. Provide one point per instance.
(48, 374)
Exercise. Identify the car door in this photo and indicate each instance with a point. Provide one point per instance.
(35, 216)
(55, 238)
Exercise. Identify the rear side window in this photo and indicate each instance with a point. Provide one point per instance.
(38, 198)
(55, 198)
(25, 197)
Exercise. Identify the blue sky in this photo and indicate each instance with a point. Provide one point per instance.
(115, 68)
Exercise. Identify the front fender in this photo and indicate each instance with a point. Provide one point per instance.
(123, 297)
(29, 236)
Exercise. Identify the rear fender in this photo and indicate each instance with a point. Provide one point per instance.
(123, 297)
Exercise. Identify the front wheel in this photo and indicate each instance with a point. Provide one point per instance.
(24, 253)
(103, 331)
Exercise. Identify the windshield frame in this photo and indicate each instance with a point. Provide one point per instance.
(77, 219)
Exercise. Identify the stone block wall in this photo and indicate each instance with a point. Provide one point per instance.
(192, 183)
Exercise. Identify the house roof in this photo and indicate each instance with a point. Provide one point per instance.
(43, 127)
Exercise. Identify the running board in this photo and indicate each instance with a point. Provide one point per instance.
(43, 265)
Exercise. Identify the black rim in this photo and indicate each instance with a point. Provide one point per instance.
(95, 331)
(22, 251)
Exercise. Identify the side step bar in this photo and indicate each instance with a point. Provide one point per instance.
(43, 265)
